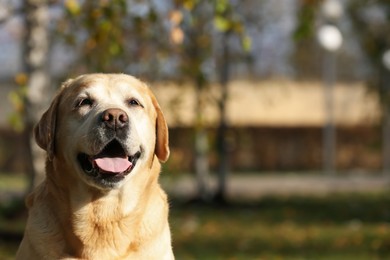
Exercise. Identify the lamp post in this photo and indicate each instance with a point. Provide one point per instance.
(330, 39)
(386, 115)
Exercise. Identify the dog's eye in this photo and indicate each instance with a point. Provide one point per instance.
(85, 102)
(134, 102)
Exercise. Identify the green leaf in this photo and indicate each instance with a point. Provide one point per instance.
(17, 100)
(17, 97)
(221, 6)
(114, 49)
(246, 43)
(16, 122)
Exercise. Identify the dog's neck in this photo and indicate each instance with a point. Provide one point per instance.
(94, 216)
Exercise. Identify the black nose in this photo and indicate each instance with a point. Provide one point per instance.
(115, 118)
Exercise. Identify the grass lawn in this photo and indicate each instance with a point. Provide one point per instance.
(337, 227)
(343, 226)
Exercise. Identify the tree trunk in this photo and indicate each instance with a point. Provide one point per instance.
(35, 65)
(201, 149)
(386, 139)
(329, 131)
(222, 146)
(384, 79)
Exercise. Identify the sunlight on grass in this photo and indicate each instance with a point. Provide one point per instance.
(7, 250)
(12, 182)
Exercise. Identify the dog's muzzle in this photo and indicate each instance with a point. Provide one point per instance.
(113, 163)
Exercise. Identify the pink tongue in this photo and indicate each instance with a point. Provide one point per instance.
(113, 165)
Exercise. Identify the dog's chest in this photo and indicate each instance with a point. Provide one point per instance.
(103, 231)
(106, 240)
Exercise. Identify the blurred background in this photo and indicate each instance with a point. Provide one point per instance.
(279, 115)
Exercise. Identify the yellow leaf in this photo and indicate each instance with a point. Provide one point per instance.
(221, 23)
(21, 79)
(246, 43)
(190, 4)
(72, 6)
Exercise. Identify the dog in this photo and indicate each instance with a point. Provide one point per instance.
(105, 136)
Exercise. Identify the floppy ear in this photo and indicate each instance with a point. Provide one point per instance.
(44, 131)
(162, 139)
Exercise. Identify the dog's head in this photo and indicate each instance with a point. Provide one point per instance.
(105, 128)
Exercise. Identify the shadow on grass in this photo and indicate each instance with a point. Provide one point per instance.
(336, 208)
(13, 215)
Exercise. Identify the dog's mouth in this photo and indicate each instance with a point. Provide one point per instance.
(112, 164)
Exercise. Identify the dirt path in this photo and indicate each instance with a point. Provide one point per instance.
(254, 186)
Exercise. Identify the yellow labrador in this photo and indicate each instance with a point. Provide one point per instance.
(104, 135)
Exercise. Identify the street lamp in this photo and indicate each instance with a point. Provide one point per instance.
(386, 59)
(386, 115)
(330, 39)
